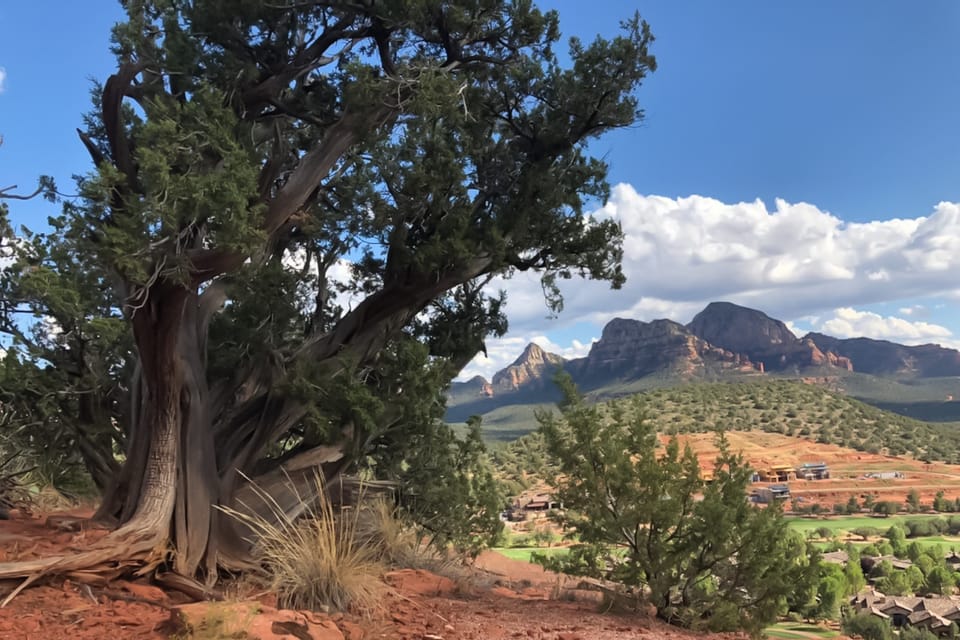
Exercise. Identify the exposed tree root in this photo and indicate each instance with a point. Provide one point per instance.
(139, 548)
(126, 547)
(188, 586)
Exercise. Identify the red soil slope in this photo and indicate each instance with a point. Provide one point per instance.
(848, 468)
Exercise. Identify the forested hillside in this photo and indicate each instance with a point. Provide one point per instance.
(779, 406)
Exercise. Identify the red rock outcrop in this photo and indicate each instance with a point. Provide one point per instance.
(534, 368)
(763, 339)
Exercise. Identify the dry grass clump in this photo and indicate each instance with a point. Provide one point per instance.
(221, 622)
(400, 544)
(316, 560)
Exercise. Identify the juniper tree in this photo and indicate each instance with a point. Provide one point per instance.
(247, 153)
(644, 517)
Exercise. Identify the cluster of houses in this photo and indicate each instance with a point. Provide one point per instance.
(780, 474)
(785, 472)
(773, 493)
(936, 614)
(527, 506)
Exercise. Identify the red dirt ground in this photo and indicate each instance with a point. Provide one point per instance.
(501, 598)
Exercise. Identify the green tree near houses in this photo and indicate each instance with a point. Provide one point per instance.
(913, 501)
(866, 626)
(939, 580)
(853, 572)
(291, 215)
(717, 562)
(897, 537)
(940, 502)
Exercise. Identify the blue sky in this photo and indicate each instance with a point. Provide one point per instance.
(849, 106)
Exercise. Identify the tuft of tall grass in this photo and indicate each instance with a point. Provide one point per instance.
(400, 543)
(316, 560)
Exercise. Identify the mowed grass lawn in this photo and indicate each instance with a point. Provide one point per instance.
(839, 524)
(798, 631)
(525, 554)
(845, 524)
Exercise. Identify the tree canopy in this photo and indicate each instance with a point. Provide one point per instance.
(281, 255)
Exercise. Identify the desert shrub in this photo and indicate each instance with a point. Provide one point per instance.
(318, 560)
(521, 541)
(717, 563)
(886, 508)
(448, 488)
(544, 536)
(941, 503)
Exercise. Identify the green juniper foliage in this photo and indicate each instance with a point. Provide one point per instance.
(643, 516)
(285, 236)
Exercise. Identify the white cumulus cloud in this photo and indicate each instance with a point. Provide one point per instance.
(792, 261)
(851, 323)
(913, 310)
(3, 79)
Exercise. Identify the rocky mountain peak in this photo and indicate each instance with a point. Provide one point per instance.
(631, 349)
(739, 329)
(533, 368)
(535, 354)
(764, 340)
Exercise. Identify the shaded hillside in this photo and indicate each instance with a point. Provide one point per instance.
(797, 409)
(928, 399)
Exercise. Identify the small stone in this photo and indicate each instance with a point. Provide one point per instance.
(351, 630)
(145, 591)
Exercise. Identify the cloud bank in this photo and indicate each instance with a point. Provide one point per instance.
(793, 261)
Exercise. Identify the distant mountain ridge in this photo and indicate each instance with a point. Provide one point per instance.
(630, 349)
(761, 338)
(884, 358)
(724, 341)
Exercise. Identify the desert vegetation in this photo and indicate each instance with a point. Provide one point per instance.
(643, 517)
(279, 257)
(276, 258)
